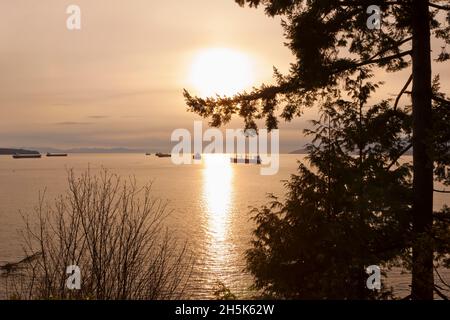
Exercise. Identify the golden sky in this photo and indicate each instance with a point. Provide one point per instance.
(118, 81)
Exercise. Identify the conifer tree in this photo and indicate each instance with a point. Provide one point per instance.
(331, 41)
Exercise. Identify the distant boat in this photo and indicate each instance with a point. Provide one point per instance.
(163, 155)
(56, 154)
(197, 156)
(246, 160)
(27, 156)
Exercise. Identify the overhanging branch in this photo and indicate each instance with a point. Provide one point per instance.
(287, 86)
(398, 44)
(381, 60)
(368, 3)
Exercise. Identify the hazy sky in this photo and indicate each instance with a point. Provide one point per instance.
(118, 81)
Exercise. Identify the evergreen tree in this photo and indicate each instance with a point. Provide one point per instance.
(344, 212)
(331, 41)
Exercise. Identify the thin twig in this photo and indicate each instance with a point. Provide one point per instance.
(405, 87)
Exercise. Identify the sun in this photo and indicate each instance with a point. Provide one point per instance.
(221, 71)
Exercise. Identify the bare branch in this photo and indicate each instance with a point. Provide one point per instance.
(114, 231)
(406, 149)
(440, 294)
(405, 87)
(439, 6)
(440, 278)
(441, 191)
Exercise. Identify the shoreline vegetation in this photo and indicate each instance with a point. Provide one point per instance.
(114, 231)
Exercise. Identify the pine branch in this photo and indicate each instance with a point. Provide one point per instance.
(440, 217)
(272, 91)
(368, 3)
(439, 99)
(381, 60)
(398, 44)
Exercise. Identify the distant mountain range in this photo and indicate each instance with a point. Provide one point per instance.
(299, 151)
(9, 151)
(304, 151)
(91, 150)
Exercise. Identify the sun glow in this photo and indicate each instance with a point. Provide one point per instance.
(221, 71)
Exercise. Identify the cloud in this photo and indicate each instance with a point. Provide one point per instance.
(72, 123)
(98, 117)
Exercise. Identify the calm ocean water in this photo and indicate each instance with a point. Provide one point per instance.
(209, 202)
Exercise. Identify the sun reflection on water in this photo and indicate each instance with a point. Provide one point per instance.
(217, 193)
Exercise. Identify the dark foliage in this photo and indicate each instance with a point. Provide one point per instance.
(343, 212)
(331, 43)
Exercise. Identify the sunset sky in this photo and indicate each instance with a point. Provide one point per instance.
(118, 81)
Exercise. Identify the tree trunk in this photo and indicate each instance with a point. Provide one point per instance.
(422, 268)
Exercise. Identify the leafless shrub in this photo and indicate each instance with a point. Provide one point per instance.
(114, 231)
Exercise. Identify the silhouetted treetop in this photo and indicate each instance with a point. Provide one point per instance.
(330, 40)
